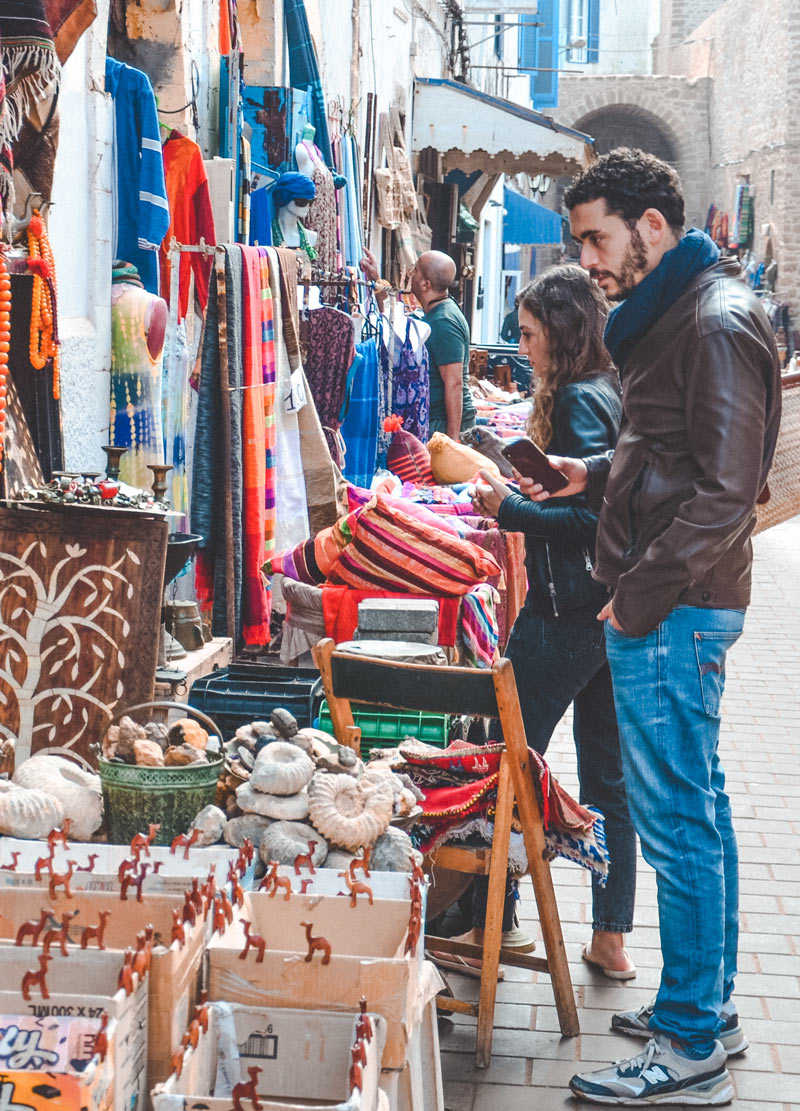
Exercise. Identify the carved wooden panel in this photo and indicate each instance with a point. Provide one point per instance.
(80, 604)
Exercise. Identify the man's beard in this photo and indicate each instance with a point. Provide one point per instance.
(634, 265)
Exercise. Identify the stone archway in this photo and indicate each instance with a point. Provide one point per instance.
(628, 125)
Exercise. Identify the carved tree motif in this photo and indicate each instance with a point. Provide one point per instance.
(72, 609)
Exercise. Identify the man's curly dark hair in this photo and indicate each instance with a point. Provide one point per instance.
(630, 181)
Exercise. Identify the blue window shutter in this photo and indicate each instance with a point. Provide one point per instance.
(540, 51)
(593, 34)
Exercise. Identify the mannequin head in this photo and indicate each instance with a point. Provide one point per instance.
(308, 133)
(290, 188)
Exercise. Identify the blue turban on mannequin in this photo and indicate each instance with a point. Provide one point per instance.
(291, 187)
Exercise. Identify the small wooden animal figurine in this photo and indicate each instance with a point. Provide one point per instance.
(62, 879)
(142, 841)
(193, 1033)
(100, 1047)
(236, 892)
(246, 1090)
(356, 1076)
(416, 873)
(143, 954)
(32, 929)
(306, 858)
(227, 906)
(304, 885)
(178, 932)
(196, 896)
(358, 1053)
(189, 913)
(414, 928)
(248, 849)
(176, 1062)
(157, 866)
(36, 978)
(256, 940)
(58, 935)
(277, 881)
(126, 866)
(58, 835)
(361, 862)
(44, 863)
(184, 842)
(219, 921)
(316, 943)
(364, 1024)
(125, 979)
(356, 888)
(90, 866)
(12, 867)
(201, 1011)
(209, 891)
(96, 932)
(129, 880)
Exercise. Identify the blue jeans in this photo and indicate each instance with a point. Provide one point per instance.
(562, 660)
(668, 687)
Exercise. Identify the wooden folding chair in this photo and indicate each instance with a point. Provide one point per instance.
(481, 693)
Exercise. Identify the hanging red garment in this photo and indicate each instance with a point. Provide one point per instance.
(192, 218)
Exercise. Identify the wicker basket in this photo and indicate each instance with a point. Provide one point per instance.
(134, 795)
(784, 478)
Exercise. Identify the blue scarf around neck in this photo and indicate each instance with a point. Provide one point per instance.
(656, 293)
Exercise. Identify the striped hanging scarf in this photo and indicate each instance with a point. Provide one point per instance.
(30, 74)
(268, 377)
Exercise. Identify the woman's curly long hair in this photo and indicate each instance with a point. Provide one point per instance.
(572, 311)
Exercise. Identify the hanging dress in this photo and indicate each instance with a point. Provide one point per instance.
(135, 388)
(321, 216)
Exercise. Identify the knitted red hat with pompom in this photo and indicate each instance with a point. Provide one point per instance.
(407, 456)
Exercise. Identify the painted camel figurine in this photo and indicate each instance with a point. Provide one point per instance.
(276, 881)
(306, 858)
(356, 888)
(184, 842)
(62, 879)
(361, 862)
(142, 841)
(255, 940)
(364, 1024)
(39, 979)
(97, 932)
(247, 1089)
(131, 880)
(93, 858)
(316, 943)
(12, 867)
(178, 932)
(58, 935)
(33, 928)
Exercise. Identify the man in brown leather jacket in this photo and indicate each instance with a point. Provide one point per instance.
(701, 406)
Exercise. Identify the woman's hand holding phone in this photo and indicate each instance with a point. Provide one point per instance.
(573, 470)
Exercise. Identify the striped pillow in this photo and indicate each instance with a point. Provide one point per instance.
(311, 560)
(391, 550)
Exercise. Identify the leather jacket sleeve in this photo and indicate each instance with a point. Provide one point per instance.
(725, 408)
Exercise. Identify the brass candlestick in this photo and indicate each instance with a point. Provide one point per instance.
(114, 454)
(160, 472)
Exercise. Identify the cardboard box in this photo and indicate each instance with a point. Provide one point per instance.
(175, 970)
(368, 958)
(84, 985)
(418, 1086)
(303, 1060)
(172, 878)
(62, 1073)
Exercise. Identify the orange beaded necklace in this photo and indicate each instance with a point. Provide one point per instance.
(44, 343)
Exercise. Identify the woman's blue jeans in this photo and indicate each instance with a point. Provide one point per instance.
(668, 688)
(558, 661)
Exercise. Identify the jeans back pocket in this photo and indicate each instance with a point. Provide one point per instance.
(711, 649)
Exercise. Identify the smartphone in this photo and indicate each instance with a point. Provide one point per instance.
(531, 462)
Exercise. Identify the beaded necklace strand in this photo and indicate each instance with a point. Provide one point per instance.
(5, 345)
(44, 343)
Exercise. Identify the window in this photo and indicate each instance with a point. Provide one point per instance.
(538, 53)
(583, 22)
(498, 35)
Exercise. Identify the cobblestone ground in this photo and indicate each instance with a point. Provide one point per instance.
(531, 1062)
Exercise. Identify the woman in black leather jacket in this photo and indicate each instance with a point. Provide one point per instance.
(557, 644)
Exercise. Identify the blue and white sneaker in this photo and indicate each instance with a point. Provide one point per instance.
(660, 1074)
(637, 1023)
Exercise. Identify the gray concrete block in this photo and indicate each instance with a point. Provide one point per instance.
(392, 634)
(399, 615)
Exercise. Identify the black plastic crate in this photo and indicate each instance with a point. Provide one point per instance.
(245, 692)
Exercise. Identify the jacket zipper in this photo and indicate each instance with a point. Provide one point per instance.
(551, 586)
(632, 520)
(587, 560)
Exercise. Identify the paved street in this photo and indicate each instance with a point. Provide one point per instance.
(761, 754)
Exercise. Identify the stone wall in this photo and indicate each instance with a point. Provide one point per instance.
(672, 112)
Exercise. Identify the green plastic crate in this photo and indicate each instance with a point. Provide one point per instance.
(383, 728)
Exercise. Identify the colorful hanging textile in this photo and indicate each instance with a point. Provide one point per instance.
(191, 218)
(359, 426)
(255, 605)
(68, 20)
(268, 378)
(245, 173)
(479, 625)
(327, 336)
(141, 208)
(135, 386)
(175, 417)
(304, 71)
